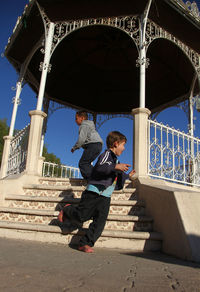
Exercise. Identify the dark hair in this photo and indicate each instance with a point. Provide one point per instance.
(113, 137)
(82, 114)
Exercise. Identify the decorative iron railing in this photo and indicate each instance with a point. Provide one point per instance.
(18, 151)
(60, 171)
(173, 155)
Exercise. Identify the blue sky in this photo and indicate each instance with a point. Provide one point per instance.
(62, 132)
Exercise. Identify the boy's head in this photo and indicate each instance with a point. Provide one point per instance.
(80, 116)
(116, 141)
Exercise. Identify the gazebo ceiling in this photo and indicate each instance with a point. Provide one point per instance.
(95, 67)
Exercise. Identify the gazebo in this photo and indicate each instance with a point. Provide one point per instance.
(107, 57)
(90, 55)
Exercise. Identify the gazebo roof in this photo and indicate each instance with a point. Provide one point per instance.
(95, 67)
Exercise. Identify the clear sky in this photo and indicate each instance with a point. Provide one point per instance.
(62, 132)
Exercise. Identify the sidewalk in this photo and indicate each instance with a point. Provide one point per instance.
(38, 267)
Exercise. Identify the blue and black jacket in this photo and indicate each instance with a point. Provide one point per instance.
(105, 178)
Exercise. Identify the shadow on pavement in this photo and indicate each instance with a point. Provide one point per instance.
(161, 257)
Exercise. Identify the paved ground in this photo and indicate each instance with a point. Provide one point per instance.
(37, 267)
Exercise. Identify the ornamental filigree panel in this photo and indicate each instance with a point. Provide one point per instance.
(193, 9)
(173, 155)
(18, 152)
(153, 31)
(128, 24)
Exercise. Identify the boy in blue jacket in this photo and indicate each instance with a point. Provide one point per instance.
(107, 175)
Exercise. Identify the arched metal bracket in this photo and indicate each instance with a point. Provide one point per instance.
(101, 119)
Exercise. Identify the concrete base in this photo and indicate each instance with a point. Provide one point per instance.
(13, 184)
(175, 210)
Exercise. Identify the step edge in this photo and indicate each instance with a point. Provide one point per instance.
(53, 213)
(69, 187)
(138, 203)
(53, 188)
(144, 235)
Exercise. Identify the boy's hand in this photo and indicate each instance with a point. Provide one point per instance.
(132, 173)
(122, 166)
(72, 150)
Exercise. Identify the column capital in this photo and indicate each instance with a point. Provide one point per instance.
(6, 138)
(37, 113)
(140, 110)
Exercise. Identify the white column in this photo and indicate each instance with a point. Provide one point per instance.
(48, 46)
(15, 107)
(191, 106)
(143, 62)
(142, 77)
(140, 153)
(33, 161)
(5, 156)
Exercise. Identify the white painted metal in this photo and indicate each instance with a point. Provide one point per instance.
(191, 106)
(61, 171)
(18, 152)
(45, 65)
(42, 145)
(142, 35)
(173, 155)
(142, 57)
(16, 101)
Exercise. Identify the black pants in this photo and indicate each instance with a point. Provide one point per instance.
(92, 206)
(90, 153)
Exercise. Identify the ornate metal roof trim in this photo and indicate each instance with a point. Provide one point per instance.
(191, 9)
(154, 31)
(19, 22)
(128, 24)
(194, 10)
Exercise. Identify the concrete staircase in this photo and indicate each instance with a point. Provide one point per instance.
(33, 216)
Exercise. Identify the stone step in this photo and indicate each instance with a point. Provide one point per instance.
(134, 241)
(70, 181)
(114, 221)
(33, 216)
(68, 187)
(123, 207)
(67, 200)
(72, 191)
(62, 181)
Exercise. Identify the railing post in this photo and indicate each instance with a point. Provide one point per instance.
(6, 152)
(34, 160)
(140, 153)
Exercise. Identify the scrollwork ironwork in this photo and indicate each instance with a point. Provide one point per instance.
(142, 61)
(101, 119)
(173, 155)
(129, 24)
(154, 31)
(17, 100)
(193, 9)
